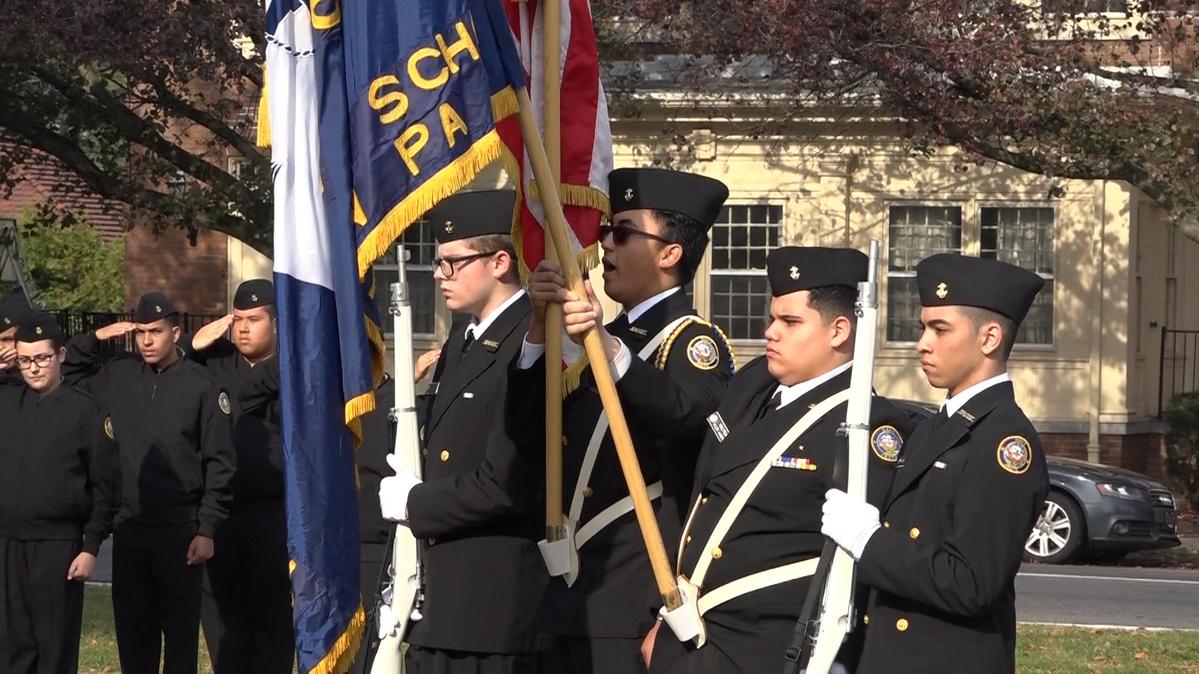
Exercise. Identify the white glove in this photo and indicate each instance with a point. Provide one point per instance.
(848, 521)
(393, 491)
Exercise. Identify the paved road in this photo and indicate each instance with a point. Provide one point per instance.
(1087, 595)
(1108, 595)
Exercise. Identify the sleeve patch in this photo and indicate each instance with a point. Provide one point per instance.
(702, 353)
(1014, 454)
(223, 401)
(108, 428)
(886, 443)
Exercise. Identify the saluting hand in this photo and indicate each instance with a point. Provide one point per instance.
(426, 361)
(207, 335)
(82, 567)
(114, 330)
(200, 550)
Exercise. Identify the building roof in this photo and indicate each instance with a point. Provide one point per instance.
(43, 179)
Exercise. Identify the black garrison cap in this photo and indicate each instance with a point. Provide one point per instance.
(469, 214)
(795, 268)
(254, 293)
(13, 309)
(152, 307)
(947, 279)
(696, 196)
(36, 326)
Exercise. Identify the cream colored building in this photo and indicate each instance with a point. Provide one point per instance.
(1087, 363)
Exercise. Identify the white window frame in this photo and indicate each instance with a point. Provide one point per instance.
(977, 231)
(964, 246)
(440, 314)
(703, 277)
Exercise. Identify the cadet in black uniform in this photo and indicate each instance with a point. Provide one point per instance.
(942, 562)
(57, 494)
(475, 509)
(171, 421)
(672, 369)
(776, 532)
(246, 600)
(12, 309)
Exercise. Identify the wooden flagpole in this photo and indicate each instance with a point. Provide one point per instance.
(642, 507)
(550, 11)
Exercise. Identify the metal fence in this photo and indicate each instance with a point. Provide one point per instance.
(78, 322)
(1178, 371)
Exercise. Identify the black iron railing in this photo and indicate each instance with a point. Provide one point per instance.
(1178, 371)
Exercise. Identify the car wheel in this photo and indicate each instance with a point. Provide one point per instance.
(1058, 533)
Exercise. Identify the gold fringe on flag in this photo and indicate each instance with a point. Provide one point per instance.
(264, 116)
(341, 654)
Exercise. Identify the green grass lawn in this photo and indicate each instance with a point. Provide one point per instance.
(1048, 650)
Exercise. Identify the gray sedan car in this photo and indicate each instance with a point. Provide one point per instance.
(1097, 511)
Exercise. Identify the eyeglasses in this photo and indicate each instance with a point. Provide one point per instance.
(448, 266)
(621, 233)
(41, 360)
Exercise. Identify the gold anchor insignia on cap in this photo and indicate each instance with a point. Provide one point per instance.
(157, 309)
(942, 290)
(253, 297)
(449, 226)
(7, 321)
(794, 272)
(37, 330)
(628, 194)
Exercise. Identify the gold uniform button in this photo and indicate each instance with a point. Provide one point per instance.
(445, 455)
(886, 525)
(687, 540)
(902, 624)
(587, 492)
(563, 440)
(703, 501)
(432, 541)
(717, 553)
(866, 619)
(914, 533)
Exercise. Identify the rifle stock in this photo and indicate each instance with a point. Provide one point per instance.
(406, 581)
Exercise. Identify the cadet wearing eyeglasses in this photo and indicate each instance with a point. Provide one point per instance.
(57, 500)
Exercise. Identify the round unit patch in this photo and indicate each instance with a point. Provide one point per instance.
(886, 442)
(1014, 454)
(702, 353)
(108, 428)
(223, 401)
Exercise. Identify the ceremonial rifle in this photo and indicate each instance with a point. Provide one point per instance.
(818, 638)
(401, 600)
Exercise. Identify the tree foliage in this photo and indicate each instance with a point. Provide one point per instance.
(1023, 82)
(68, 264)
(144, 100)
(147, 100)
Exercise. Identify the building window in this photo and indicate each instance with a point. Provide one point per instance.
(739, 290)
(914, 233)
(1023, 236)
(422, 248)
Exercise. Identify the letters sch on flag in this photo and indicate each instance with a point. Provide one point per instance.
(418, 96)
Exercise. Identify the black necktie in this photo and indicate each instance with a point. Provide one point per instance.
(470, 339)
(940, 419)
(771, 406)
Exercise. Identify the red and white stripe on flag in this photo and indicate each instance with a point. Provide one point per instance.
(586, 141)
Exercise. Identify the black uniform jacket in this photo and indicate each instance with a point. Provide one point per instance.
(60, 476)
(258, 481)
(780, 522)
(942, 569)
(172, 426)
(615, 594)
(477, 511)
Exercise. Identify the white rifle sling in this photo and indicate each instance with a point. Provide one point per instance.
(776, 575)
(625, 505)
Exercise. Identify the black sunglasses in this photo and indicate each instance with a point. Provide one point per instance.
(621, 233)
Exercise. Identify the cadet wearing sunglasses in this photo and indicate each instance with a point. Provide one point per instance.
(671, 370)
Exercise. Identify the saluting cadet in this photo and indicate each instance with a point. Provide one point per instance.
(752, 562)
(475, 509)
(942, 561)
(12, 309)
(56, 505)
(671, 370)
(171, 421)
(246, 600)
